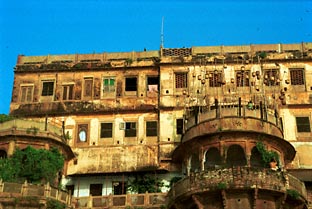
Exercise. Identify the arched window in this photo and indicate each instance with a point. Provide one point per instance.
(236, 156)
(195, 164)
(3, 154)
(212, 158)
(255, 158)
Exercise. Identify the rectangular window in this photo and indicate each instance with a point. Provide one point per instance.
(130, 129)
(303, 124)
(180, 80)
(82, 133)
(68, 92)
(96, 189)
(152, 84)
(26, 93)
(108, 85)
(47, 88)
(215, 78)
(271, 77)
(151, 128)
(242, 78)
(296, 76)
(106, 130)
(70, 189)
(131, 84)
(119, 187)
(88, 86)
(179, 126)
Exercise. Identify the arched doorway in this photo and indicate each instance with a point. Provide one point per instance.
(3, 154)
(212, 158)
(255, 158)
(236, 156)
(195, 164)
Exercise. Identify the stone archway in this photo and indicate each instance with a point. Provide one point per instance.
(236, 156)
(195, 164)
(212, 158)
(3, 154)
(255, 158)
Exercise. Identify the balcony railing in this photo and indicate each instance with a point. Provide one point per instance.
(155, 200)
(236, 178)
(41, 192)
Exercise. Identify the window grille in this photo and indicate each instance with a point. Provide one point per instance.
(215, 79)
(242, 78)
(181, 80)
(271, 77)
(296, 76)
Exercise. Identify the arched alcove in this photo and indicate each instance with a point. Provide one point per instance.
(195, 164)
(212, 158)
(3, 154)
(255, 158)
(236, 156)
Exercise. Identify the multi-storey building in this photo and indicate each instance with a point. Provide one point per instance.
(198, 113)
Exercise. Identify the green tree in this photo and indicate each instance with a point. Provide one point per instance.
(145, 183)
(33, 165)
(4, 117)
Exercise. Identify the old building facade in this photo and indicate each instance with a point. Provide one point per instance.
(197, 113)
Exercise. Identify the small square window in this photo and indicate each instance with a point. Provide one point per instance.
(131, 84)
(242, 78)
(303, 124)
(152, 84)
(215, 78)
(181, 80)
(271, 77)
(47, 88)
(130, 129)
(151, 128)
(106, 130)
(296, 76)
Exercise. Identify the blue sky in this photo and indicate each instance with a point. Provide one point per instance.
(41, 27)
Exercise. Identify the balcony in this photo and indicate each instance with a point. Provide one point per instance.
(147, 200)
(252, 181)
(232, 117)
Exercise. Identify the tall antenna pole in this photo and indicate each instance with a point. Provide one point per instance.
(162, 33)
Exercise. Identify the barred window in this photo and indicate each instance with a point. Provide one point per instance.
(106, 130)
(303, 124)
(151, 128)
(47, 88)
(215, 79)
(296, 76)
(181, 80)
(271, 77)
(242, 78)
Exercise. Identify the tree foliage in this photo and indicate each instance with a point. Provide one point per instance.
(33, 165)
(145, 183)
(4, 118)
(266, 155)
